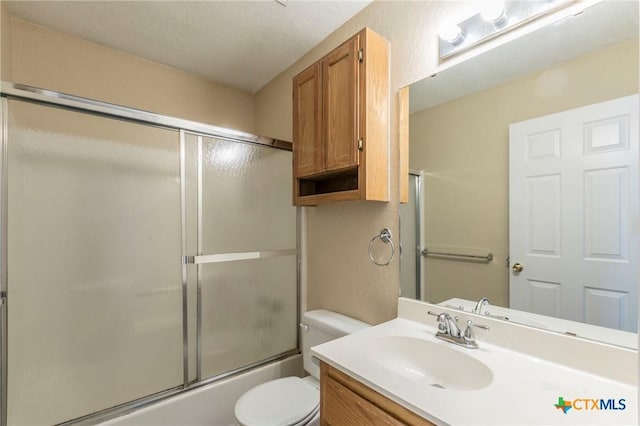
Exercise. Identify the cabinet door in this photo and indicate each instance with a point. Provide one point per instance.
(340, 94)
(307, 122)
(344, 401)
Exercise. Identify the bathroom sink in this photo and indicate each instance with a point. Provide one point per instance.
(433, 363)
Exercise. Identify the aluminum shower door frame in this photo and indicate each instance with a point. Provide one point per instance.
(84, 105)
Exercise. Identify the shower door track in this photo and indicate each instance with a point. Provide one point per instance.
(61, 100)
(24, 92)
(132, 406)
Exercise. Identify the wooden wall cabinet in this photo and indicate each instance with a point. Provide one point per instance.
(345, 401)
(341, 124)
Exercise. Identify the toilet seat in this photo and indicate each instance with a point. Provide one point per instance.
(288, 401)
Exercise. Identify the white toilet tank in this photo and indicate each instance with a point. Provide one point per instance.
(322, 326)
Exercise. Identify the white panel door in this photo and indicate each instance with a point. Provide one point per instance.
(574, 214)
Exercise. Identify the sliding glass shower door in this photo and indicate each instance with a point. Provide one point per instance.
(246, 252)
(140, 260)
(94, 296)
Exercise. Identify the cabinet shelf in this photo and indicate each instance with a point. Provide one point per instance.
(343, 180)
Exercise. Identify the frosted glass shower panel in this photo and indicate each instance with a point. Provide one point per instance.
(248, 312)
(94, 273)
(247, 307)
(246, 198)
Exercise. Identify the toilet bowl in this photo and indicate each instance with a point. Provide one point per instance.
(295, 401)
(288, 401)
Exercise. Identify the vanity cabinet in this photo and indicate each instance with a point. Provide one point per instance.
(345, 401)
(341, 124)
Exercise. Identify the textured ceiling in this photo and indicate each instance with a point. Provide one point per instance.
(242, 44)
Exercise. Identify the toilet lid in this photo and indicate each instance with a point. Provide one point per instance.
(282, 402)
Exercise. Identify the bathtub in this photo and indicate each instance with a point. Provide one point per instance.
(207, 405)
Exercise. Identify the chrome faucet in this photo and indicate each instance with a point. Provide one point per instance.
(447, 325)
(481, 304)
(449, 331)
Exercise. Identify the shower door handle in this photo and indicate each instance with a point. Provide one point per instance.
(248, 255)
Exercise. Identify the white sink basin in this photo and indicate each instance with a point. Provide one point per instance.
(433, 363)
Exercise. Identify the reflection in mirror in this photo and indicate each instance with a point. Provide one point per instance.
(572, 231)
(410, 231)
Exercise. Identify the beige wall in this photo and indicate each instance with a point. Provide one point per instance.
(340, 275)
(5, 42)
(463, 148)
(50, 59)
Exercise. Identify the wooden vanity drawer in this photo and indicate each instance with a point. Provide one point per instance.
(345, 401)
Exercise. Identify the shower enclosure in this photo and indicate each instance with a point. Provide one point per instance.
(141, 256)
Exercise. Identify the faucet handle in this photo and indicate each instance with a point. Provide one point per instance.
(442, 315)
(469, 335)
(482, 326)
(443, 326)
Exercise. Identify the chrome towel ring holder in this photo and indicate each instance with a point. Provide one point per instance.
(385, 236)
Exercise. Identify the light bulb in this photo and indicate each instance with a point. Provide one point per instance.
(492, 10)
(451, 33)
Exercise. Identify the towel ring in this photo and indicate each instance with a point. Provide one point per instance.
(385, 237)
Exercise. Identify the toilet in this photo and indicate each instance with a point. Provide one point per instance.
(292, 401)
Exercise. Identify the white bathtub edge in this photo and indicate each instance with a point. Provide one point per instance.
(208, 405)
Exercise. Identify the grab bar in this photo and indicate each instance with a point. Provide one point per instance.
(486, 258)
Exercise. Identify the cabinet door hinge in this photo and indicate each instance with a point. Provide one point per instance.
(361, 55)
(360, 144)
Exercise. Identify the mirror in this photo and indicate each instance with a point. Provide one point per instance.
(459, 146)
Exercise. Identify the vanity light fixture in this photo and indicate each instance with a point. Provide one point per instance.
(494, 18)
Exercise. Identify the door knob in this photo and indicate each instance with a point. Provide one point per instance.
(517, 267)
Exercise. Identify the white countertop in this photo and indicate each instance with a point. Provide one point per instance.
(523, 391)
